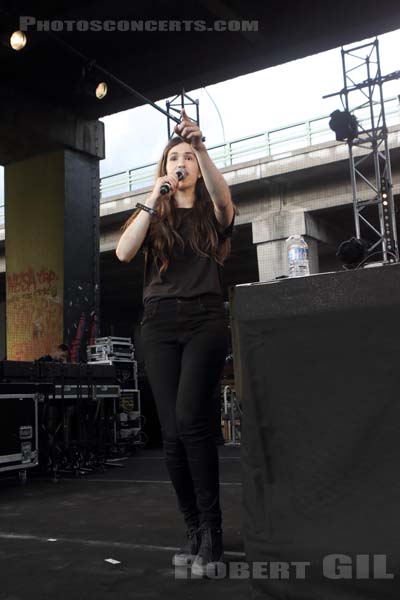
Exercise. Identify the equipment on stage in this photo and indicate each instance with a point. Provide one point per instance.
(11, 370)
(316, 367)
(77, 414)
(119, 352)
(107, 348)
(19, 448)
(231, 416)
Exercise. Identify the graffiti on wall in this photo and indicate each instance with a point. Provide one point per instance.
(34, 312)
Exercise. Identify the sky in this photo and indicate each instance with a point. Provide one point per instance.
(249, 104)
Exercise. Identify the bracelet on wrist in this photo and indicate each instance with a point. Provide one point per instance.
(151, 211)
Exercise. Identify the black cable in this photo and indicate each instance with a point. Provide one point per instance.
(369, 256)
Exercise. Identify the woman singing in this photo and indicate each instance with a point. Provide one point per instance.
(183, 230)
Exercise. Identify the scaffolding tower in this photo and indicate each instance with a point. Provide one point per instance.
(362, 96)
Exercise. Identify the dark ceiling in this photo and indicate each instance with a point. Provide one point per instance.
(159, 63)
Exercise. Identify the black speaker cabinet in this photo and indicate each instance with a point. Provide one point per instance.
(18, 429)
(319, 362)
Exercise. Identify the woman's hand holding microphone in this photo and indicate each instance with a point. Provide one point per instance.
(164, 186)
(167, 180)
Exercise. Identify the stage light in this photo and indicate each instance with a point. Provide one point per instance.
(18, 40)
(352, 252)
(91, 87)
(101, 90)
(384, 188)
(89, 83)
(344, 125)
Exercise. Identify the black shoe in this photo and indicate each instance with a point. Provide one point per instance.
(186, 555)
(210, 552)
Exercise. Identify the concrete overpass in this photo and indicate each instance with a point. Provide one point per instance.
(305, 190)
(296, 184)
(50, 132)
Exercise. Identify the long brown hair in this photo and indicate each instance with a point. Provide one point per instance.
(202, 235)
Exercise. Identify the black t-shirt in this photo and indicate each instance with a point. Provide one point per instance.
(188, 274)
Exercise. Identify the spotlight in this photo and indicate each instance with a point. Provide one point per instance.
(18, 40)
(101, 90)
(344, 125)
(91, 86)
(353, 251)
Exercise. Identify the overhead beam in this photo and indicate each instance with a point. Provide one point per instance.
(31, 126)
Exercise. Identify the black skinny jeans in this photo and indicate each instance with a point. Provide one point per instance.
(185, 343)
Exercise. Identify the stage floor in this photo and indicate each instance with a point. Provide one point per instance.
(128, 514)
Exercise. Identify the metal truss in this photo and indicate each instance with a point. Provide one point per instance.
(180, 101)
(370, 171)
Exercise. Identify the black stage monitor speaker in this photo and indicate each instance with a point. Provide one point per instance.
(319, 364)
(17, 370)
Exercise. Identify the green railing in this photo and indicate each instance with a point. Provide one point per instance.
(276, 143)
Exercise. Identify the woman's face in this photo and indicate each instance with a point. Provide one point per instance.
(182, 155)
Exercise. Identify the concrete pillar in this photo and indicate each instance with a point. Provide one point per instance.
(270, 237)
(52, 253)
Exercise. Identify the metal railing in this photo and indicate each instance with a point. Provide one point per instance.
(275, 143)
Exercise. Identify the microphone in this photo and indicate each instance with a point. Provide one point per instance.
(180, 173)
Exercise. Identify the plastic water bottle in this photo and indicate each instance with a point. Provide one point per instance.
(297, 255)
